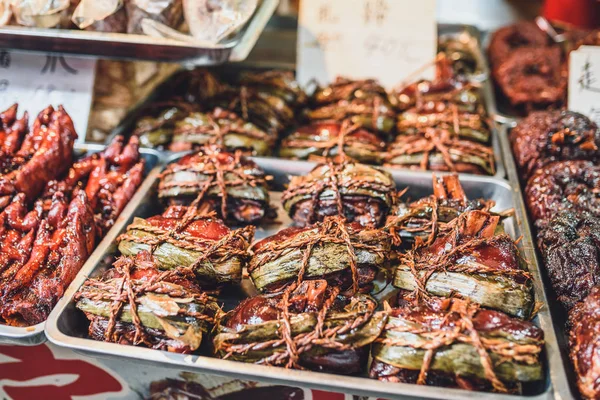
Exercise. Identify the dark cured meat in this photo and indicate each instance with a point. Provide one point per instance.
(564, 185)
(570, 245)
(510, 38)
(584, 338)
(547, 136)
(533, 78)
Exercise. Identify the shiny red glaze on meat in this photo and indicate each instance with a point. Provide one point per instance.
(509, 38)
(210, 229)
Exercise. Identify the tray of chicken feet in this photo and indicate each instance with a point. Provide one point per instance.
(337, 275)
(529, 64)
(58, 200)
(555, 159)
(438, 125)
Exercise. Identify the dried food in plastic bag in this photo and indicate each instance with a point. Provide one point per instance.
(214, 20)
(168, 12)
(39, 13)
(101, 16)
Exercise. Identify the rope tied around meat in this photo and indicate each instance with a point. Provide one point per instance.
(129, 290)
(450, 116)
(216, 173)
(461, 331)
(295, 346)
(336, 141)
(217, 132)
(442, 141)
(443, 262)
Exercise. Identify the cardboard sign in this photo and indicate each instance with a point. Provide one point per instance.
(390, 40)
(36, 81)
(584, 82)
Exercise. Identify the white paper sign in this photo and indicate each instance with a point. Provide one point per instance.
(36, 81)
(385, 39)
(584, 82)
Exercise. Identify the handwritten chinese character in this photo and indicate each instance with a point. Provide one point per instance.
(51, 63)
(587, 79)
(375, 11)
(326, 15)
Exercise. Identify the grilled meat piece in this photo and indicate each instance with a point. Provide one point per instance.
(563, 185)
(547, 136)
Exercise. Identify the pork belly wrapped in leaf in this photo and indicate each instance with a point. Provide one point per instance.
(278, 83)
(584, 339)
(464, 125)
(221, 127)
(182, 238)
(44, 262)
(570, 246)
(454, 343)
(308, 326)
(345, 254)
(327, 138)
(547, 136)
(156, 128)
(563, 185)
(440, 150)
(135, 303)
(214, 179)
(470, 259)
(420, 220)
(340, 187)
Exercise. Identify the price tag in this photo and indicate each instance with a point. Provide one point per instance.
(584, 82)
(36, 81)
(391, 40)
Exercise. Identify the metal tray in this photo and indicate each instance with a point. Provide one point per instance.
(68, 327)
(561, 369)
(165, 88)
(132, 46)
(34, 335)
(472, 36)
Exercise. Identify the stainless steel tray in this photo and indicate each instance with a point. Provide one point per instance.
(561, 370)
(34, 335)
(68, 327)
(131, 46)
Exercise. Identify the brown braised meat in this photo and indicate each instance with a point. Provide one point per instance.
(340, 187)
(547, 136)
(506, 40)
(533, 78)
(110, 179)
(563, 185)
(309, 326)
(419, 221)
(472, 259)
(44, 153)
(42, 255)
(454, 343)
(135, 303)
(216, 180)
(328, 138)
(440, 150)
(346, 255)
(584, 338)
(570, 245)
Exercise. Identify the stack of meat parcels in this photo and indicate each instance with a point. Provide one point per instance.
(558, 156)
(438, 125)
(54, 209)
(529, 68)
(313, 303)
